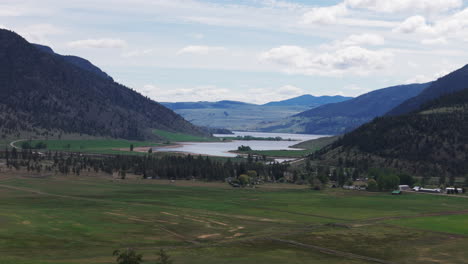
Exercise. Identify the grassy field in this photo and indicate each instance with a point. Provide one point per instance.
(100, 146)
(49, 219)
(456, 224)
(316, 144)
(308, 147)
(179, 137)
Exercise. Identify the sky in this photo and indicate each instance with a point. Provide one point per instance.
(251, 50)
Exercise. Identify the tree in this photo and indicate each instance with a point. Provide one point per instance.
(123, 174)
(252, 174)
(163, 257)
(341, 177)
(388, 182)
(150, 151)
(406, 179)
(315, 184)
(372, 185)
(131, 147)
(244, 179)
(129, 256)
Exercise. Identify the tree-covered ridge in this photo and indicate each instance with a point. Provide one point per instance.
(45, 92)
(449, 84)
(430, 142)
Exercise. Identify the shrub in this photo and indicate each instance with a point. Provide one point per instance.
(372, 185)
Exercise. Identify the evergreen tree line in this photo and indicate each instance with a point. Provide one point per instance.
(148, 166)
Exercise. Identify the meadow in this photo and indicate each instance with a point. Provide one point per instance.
(99, 146)
(49, 219)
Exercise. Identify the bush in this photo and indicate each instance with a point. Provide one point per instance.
(316, 184)
(244, 179)
(372, 186)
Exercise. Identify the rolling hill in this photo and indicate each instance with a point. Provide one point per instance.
(431, 141)
(338, 118)
(244, 116)
(309, 101)
(44, 92)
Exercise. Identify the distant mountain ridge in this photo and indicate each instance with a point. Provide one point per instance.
(236, 115)
(43, 92)
(310, 100)
(203, 104)
(338, 118)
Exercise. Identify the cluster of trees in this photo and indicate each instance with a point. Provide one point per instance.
(38, 145)
(130, 256)
(244, 148)
(149, 166)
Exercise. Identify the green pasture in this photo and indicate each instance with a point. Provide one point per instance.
(48, 219)
(100, 146)
(456, 224)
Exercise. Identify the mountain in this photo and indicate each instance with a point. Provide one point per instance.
(204, 105)
(77, 61)
(309, 101)
(45, 93)
(450, 83)
(236, 115)
(431, 141)
(338, 118)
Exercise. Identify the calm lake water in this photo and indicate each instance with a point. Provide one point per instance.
(222, 148)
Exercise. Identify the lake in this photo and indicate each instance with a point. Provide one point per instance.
(222, 148)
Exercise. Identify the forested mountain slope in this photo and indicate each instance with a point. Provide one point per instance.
(450, 83)
(43, 92)
(432, 141)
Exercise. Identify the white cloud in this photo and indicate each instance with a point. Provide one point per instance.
(104, 43)
(414, 24)
(200, 50)
(213, 93)
(196, 93)
(363, 39)
(434, 41)
(454, 25)
(348, 60)
(393, 6)
(324, 15)
(137, 53)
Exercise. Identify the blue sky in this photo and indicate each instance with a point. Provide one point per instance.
(254, 51)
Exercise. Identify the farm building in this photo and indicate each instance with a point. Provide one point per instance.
(404, 188)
